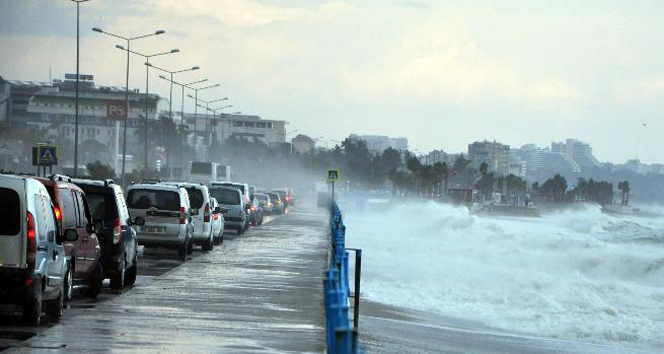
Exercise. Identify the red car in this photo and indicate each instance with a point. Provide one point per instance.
(72, 212)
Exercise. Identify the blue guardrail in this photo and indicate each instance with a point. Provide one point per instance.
(341, 337)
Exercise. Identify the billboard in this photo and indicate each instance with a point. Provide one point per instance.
(116, 110)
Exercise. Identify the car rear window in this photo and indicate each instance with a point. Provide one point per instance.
(102, 206)
(10, 209)
(238, 186)
(195, 197)
(204, 168)
(261, 197)
(148, 198)
(225, 196)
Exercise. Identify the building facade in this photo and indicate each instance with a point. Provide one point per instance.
(47, 111)
(578, 151)
(495, 155)
(379, 143)
(303, 144)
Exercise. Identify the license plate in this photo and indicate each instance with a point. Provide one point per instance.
(154, 230)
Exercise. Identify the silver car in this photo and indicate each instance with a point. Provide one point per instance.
(245, 190)
(217, 222)
(201, 205)
(232, 207)
(167, 214)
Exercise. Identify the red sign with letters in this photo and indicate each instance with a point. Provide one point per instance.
(116, 110)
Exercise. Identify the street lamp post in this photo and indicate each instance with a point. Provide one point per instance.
(170, 99)
(207, 108)
(78, 11)
(147, 96)
(182, 120)
(124, 134)
(196, 112)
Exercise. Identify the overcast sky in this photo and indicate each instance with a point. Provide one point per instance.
(441, 73)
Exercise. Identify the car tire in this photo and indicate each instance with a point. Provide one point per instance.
(118, 279)
(132, 272)
(32, 309)
(55, 308)
(182, 251)
(96, 281)
(190, 247)
(69, 283)
(240, 230)
(217, 240)
(222, 237)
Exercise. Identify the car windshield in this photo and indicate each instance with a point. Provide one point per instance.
(148, 198)
(226, 196)
(10, 211)
(195, 197)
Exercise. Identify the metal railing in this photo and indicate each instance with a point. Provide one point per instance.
(340, 336)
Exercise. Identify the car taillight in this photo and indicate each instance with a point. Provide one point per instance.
(58, 215)
(117, 231)
(253, 208)
(206, 213)
(183, 216)
(32, 242)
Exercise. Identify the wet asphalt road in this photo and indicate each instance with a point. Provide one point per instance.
(258, 292)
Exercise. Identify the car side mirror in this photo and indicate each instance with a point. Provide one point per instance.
(217, 210)
(139, 221)
(70, 235)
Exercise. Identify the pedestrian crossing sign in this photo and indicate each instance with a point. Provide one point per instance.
(332, 175)
(45, 155)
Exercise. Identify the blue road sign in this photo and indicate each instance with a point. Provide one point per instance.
(47, 155)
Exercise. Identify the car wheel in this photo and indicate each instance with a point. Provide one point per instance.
(117, 280)
(55, 307)
(182, 251)
(32, 309)
(132, 272)
(217, 240)
(240, 230)
(69, 283)
(96, 281)
(190, 246)
(222, 237)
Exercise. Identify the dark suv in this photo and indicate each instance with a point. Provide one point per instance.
(72, 212)
(118, 239)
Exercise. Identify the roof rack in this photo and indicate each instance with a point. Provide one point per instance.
(61, 178)
(149, 181)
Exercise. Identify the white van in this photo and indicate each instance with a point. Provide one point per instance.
(206, 172)
(33, 264)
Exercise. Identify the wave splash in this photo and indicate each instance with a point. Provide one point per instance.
(579, 275)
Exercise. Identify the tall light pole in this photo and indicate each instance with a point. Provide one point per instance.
(147, 95)
(207, 108)
(196, 112)
(182, 119)
(170, 99)
(124, 133)
(78, 11)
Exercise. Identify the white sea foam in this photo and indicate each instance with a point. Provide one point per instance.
(579, 275)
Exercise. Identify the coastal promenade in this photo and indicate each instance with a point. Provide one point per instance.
(259, 292)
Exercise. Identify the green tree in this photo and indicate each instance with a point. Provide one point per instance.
(97, 170)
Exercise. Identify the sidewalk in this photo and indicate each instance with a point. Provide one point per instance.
(259, 292)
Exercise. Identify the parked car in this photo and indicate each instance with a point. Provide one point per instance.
(277, 204)
(283, 195)
(117, 237)
(256, 216)
(166, 216)
(265, 202)
(33, 263)
(232, 207)
(217, 222)
(199, 201)
(244, 189)
(72, 212)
